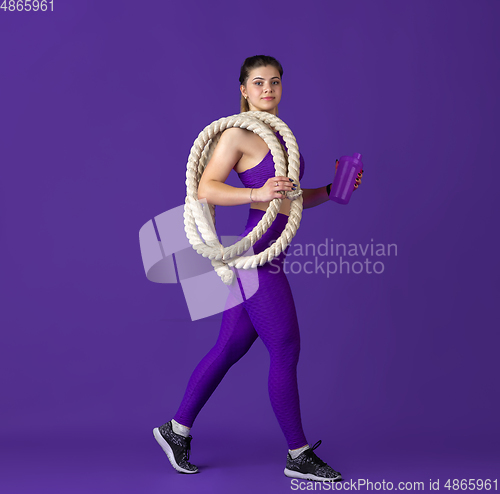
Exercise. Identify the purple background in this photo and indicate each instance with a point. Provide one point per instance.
(100, 104)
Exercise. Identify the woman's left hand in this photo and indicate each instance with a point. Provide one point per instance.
(358, 178)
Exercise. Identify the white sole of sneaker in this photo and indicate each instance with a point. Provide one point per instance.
(308, 476)
(168, 451)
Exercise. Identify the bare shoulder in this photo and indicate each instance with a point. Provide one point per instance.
(235, 139)
(247, 143)
(226, 155)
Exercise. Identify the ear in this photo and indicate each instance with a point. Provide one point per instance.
(243, 91)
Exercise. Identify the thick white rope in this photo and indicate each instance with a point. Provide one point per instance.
(195, 220)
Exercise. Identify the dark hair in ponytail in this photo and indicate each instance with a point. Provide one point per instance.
(252, 63)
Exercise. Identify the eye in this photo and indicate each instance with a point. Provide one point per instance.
(276, 82)
(258, 83)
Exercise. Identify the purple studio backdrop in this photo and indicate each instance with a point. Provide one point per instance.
(398, 373)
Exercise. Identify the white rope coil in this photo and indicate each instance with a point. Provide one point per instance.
(198, 226)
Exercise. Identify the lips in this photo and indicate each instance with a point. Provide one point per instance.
(269, 98)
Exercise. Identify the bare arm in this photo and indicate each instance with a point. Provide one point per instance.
(212, 187)
(314, 197)
(227, 153)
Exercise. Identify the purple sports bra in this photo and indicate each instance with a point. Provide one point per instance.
(258, 175)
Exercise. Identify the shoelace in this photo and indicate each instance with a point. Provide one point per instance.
(188, 446)
(311, 454)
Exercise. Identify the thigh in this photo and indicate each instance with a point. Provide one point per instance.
(272, 310)
(237, 332)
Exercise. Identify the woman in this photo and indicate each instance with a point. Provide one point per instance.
(272, 318)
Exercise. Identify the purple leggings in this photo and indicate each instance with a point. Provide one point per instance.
(269, 313)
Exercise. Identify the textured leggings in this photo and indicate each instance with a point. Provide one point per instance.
(269, 313)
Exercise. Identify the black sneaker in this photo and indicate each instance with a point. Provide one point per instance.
(176, 447)
(309, 467)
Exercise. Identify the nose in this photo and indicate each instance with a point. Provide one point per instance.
(268, 87)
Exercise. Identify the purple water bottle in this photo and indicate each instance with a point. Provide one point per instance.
(345, 178)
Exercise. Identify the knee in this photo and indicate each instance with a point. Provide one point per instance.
(230, 352)
(286, 352)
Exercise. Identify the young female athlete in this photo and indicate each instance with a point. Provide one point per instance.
(269, 313)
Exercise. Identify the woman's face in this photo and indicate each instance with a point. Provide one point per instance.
(263, 89)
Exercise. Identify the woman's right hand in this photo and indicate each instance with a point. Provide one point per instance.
(274, 188)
